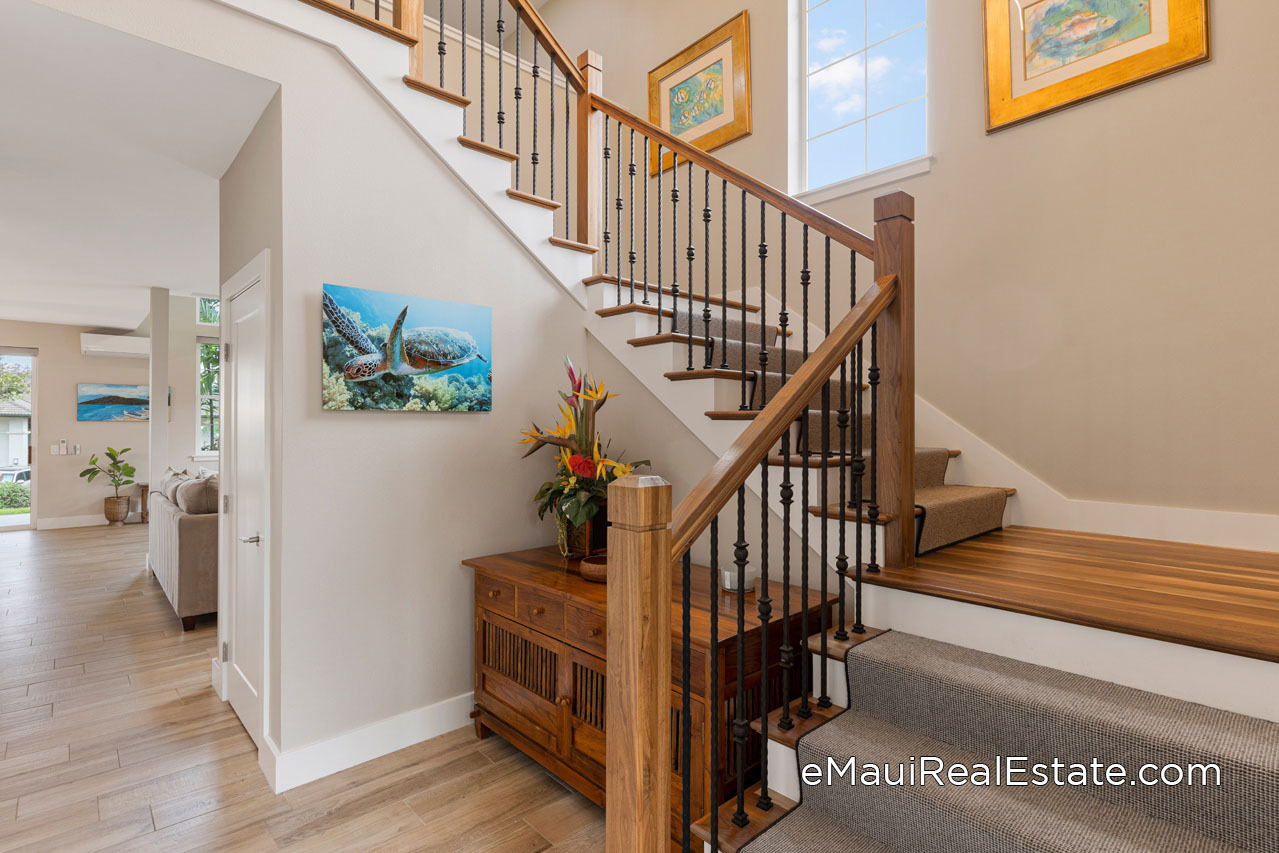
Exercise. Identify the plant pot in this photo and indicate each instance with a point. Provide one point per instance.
(594, 569)
(590, 539)
(116, 510)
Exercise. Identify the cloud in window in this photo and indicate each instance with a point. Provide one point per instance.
(841, 87)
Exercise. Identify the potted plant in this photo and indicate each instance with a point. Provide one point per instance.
(577, 497)
(119, 473)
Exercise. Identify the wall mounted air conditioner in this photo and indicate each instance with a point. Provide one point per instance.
(115, 346)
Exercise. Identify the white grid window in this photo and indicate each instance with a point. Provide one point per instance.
(865, 87)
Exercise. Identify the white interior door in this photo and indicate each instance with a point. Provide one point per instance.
(245, 324)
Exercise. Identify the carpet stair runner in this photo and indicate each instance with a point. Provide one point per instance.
(914, 697)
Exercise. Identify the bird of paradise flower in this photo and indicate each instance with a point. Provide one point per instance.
(580, 487)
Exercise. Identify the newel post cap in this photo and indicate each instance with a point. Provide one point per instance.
(639, 501)
(893, 205)
(590, 59)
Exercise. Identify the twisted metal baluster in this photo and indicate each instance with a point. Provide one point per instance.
(714, 680)
(618, 215)
(785, 722)
(550, 119)
(631, 255)
(501, 76)
(823, 700)
(675, 242)
(723, 280)
(568, 124)
(859, 463)
(709, 343)
(692, 256)
(686, 723)
(805, 659)
(483, 64)
(660, 205)
(872, 511)
(648, 151)
(519, 92)
(441, 47)
(761, 382)
(744, 404)
(463, 52)
(537, 74)
(740, 726)
(764, 602)
(608, 152)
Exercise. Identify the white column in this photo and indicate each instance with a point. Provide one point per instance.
(158, 428)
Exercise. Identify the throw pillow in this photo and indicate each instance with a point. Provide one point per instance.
(199, 497)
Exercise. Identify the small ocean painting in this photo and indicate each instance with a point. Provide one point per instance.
(387, 352)
(1059, 32)
(698, 99)
(113, 402)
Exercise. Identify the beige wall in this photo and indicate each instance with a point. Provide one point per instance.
(1096, 292)
(61, 496)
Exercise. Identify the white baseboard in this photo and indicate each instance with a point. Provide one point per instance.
(1038, 504)
(215, 677)
(65, 521)
(289, 769)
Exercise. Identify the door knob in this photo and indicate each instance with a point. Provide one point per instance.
(250, 540)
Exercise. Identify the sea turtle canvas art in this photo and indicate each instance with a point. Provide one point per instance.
(388, 352)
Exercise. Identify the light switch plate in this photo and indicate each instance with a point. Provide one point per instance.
(54, 448)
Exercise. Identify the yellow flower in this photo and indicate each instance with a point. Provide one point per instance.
(621, 469)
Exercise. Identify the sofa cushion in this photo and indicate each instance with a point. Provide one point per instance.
(169, 482)
(198, 497)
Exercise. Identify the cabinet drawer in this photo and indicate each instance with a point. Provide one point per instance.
(540, 611)
(586, 630)
(496, 595)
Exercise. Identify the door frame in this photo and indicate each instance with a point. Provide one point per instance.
(257, 271)
(33, 439)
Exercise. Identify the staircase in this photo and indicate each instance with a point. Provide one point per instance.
(784, 340)
(913, 697)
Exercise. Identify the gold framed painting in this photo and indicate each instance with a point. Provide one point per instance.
(702, 95)
(1044, 55)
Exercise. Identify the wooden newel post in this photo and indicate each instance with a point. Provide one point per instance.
(590, 152)
(638, 710)
(895, 255)
(407, 18)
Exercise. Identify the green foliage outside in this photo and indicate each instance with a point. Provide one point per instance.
(15, 381)
(210, 422)
(209, 310)
(15, 496)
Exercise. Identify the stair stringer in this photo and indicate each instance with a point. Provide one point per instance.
(383, 63)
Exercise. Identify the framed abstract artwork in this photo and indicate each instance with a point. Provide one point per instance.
(702, 95)
(1044, 55)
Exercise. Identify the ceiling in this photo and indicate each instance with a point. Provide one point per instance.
(111, 149)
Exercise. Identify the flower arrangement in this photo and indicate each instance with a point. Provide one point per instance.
(580, 487)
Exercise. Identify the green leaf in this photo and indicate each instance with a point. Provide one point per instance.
(87, 471)
(93, 474)
(128, 470)
(122, 452)
(125, 483)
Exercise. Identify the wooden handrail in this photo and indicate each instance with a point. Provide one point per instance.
(793, 207)
(730, 471)
(542, 33)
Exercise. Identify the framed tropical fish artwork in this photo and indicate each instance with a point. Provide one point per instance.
(1044, 55)
(388, 352)
(702, 95)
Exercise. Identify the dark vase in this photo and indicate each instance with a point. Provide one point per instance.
(590, 539)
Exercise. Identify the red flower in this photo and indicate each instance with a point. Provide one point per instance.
(581, 466)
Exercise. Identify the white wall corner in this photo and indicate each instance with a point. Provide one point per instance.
(316, 760)
(1038, 504)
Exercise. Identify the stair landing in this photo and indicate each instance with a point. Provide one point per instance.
(1221, 599)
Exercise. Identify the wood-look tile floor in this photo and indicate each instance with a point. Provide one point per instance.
(111, 737)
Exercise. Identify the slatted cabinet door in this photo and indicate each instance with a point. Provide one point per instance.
(518, 671)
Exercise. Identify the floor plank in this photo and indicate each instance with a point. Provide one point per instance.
(111, 737)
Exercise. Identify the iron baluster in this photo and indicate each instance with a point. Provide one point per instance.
(872, 511)
(709, 343)
(823, 700)
(859, 464)
(631, 173)
(761, 382)
(441, 47)
(740, 727)
(483, 64)
(550, 119)
(519, 90)
(501, 76)
(787, 651)
(723, 280)
(805, 659)
(715, 700)
(617, 215)
(675, 242)
(783, 319)
(463, 52)
(765, 605)
(744, 404)
(537, 74)
(648, 152)
(568, 123)
(608, 152)
(841, 560)
(660, 204)
(692, 256)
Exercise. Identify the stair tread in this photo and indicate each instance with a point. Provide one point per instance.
(971, 817)
(640, 286)
(807, 830)
(485, 148)
(435, 91)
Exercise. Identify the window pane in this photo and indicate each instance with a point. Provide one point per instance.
(207, 310)
(897, 71)
(210, 433)
(890, 17)
(835, 30)
(837, 156)
(897, 135)
(208, 367)
(837, 95)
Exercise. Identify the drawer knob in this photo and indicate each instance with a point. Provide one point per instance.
(562, 701)
(494, 593)
(595, 632)
(538, 611)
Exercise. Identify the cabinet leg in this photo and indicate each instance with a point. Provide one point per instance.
(188, 623)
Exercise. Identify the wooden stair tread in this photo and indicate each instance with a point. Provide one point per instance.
(635, 308)
(584, 248)
(436, 92)
(816, 461)
(666, 338)
(838, 649)
(733, 838)
(733, 415)
(519, 195)
(485, 148)
(802, 725)
(603, 278)
(843, 513)
(708, 373)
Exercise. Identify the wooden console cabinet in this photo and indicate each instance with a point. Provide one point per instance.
(540, 669)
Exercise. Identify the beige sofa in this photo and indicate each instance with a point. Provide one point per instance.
(183, 553)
